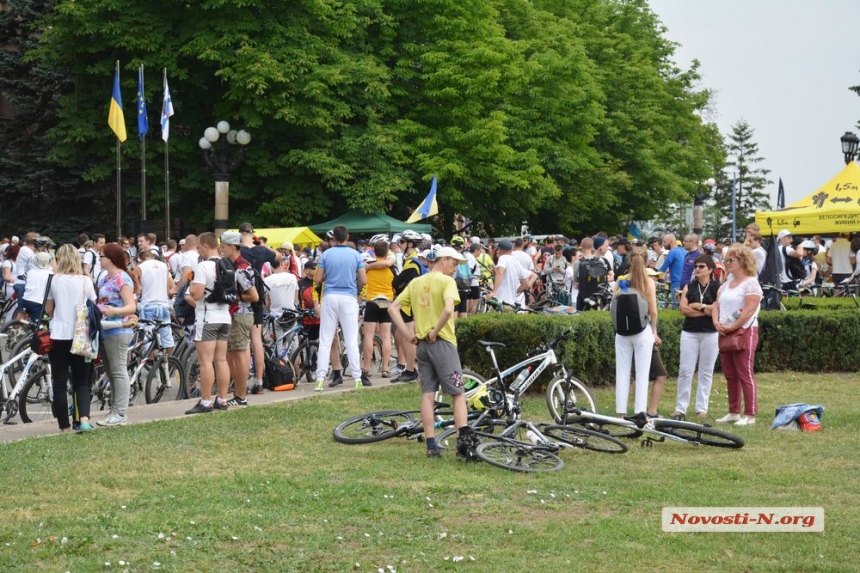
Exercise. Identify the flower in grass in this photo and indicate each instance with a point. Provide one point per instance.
(443, 535)
(457, 558)
(161, 536)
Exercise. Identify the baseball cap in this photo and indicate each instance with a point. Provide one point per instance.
(246, 228)
(622, 241)
(475, 239)
(310, 265)
(653, 272)
(450, 252)
(15, 239)
(231, 238)
(181, 242)
(475, 247)
(506, 245)
(287, 245)
(43, 260)
(782, 234)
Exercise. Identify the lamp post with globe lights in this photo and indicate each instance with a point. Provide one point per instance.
(222, 158)
(699, 207)
(849, 146)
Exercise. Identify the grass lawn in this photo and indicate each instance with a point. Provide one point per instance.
(268, 489)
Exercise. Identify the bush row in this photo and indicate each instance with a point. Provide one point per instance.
(819, 340)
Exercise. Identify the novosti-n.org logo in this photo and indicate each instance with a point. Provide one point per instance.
(743, 519)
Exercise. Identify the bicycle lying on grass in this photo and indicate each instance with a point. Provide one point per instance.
(573, 418)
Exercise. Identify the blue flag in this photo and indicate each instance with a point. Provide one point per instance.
(142, 121)
(428, 207)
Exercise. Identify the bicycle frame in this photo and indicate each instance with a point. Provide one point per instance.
(9, 392)
(638, 424)
(545, 360)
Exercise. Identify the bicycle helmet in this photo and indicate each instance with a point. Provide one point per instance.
(457, 241)
(411, 236)
(329, 235)
(480, 400)
(44, 242)
(381, 237)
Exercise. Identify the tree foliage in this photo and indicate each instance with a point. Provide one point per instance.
(567, 113)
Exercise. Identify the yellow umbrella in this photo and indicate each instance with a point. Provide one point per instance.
(833, 208)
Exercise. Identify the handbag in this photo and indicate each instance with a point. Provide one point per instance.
(81, 343)
(734, 341)
(40, 342)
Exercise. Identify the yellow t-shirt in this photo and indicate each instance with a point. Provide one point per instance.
(379, 284)
(425, 298)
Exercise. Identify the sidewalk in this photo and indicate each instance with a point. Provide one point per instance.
(141, 412)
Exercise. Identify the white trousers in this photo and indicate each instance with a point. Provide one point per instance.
(700, 348)
(334, 309)
(640, 346)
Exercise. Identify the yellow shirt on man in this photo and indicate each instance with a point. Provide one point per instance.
(424, 297)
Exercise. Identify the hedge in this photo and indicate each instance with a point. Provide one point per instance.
(824, 339)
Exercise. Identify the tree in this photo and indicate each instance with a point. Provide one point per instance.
(742, 167)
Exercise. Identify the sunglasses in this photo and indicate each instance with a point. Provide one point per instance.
(731, 260)
(701, 266)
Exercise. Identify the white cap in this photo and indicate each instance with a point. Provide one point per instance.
(476, 239)
(15, 239)
(181, 242)
(782, 234)
(450, 252)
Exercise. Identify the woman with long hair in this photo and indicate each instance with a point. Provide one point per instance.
(737, 308)
(69, 288)
(9, 267)
(116, 301)
(698, 337)
(629, 314)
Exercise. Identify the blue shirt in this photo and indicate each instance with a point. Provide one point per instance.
(340, 264)
(675, 263)
(689, 262)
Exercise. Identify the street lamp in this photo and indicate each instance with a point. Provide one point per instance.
(849, 146)
(699, 207)
(222, 158)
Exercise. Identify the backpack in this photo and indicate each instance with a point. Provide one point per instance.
(278, 373)
(629, 310)
(224, 291)
(463, 276)
(592, 273)
(793, 267)
(184, 311)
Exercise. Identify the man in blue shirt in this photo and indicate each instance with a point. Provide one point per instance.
(341, 272)
(674, 262)
(691, 251)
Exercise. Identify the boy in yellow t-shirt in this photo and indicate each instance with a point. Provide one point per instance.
(431, 299)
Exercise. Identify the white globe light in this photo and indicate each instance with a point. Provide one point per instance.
(223, 126)
(204, 144)
(243, 137)
(211, 134)
(711, 182)
(231, 136)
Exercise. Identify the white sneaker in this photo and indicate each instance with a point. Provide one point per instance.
(746, 421)
(113, 420)
(728, 418)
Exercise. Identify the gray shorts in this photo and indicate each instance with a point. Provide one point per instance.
(240, 332)
(439, 367)
(212, 333)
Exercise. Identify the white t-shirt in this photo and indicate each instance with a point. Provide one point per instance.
(760, 258)
(175, 263)
(840, 257)
(524, 259)
(37, 279)
(7, 287)
(90, 257)
(190, 259)
(734, 299)
(473, 266)
(25, 255)
(153, 282)
(514, 273)
(785, 251)
(282, 291)
(209, 312)
(68, 291)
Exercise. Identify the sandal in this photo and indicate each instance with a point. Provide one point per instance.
(386, 374)
(678, 416)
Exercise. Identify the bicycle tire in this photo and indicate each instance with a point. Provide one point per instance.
(35, 402)
(608, 428)
(519, 457)
(15, 330)
(699, 434)
(158, 382)
(304, 360)
(371, 427)
(191, 387)
(17, 367)
(586, 439)
(555, 390)
(447, 439)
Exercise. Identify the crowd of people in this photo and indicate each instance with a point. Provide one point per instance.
(413, 287)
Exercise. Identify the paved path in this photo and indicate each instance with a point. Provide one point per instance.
(142, 412)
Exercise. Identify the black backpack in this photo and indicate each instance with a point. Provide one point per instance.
(278, 372)
(184, 311)
(224, 291)
(592, 273)
(793, 267)
(629, 311)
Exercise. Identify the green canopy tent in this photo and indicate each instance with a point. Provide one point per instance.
(360, 223)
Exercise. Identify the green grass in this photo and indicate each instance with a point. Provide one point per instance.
(268, 489)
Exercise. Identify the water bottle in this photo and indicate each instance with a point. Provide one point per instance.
(521, 379)
(736, 314)
(532, 437)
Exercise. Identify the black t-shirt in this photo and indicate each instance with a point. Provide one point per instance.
(704, 294)
(258, 256)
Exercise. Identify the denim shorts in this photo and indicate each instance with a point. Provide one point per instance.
(161, 313)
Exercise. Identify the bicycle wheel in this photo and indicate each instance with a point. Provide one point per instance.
(519, 457)
(579, 397)
(605, 427)
(586, 439)
(36, 400)
(165, 374)
(371, 427)
(100, 389)
(191, 387)
(376, 366)
(699, 434)
(304, 360)
(15, 331)
(17, 367)
(447, 440)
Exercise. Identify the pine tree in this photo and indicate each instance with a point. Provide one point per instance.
(742, 166)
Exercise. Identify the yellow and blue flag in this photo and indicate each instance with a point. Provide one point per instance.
(428, 207)
(142, 119)
(116, 119)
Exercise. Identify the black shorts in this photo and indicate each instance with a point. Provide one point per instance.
(372, 313)
(464, 301)
(406, 318)
(312, 331)
(474, 293)
(258, 314)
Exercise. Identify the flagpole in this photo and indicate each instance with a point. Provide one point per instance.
(118, 182)
(166, 178)
(142, 152)
(734, 209)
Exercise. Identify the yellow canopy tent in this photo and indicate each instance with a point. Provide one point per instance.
(833, 208)
(295, 235)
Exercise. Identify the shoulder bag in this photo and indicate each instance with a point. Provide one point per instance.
(41, 342)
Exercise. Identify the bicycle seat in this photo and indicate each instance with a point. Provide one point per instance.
(487, 344)
(639, 419)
